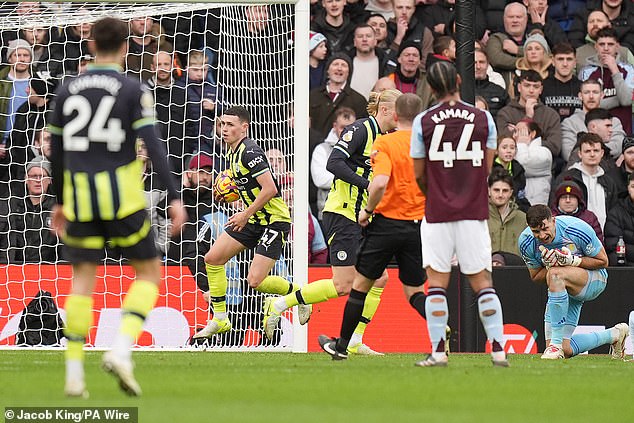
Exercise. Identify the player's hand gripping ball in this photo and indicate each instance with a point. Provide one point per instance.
(225, 187)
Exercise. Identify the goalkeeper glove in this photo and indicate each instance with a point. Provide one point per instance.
(549, 258)
(566, 258)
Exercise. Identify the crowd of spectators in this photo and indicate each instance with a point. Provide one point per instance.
(556, 75)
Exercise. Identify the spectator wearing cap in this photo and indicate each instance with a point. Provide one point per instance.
(30, 117)
(197, 195)
(620, 222)
(318, 51)
(31, 239)
(405, 27)
(536, 57)
(406, 72)
(569, 201)
(335, 93)
(14, 83)
(621, 174)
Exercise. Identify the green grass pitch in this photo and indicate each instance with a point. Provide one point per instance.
(280, 387)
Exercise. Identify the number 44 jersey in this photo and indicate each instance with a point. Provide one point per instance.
(453, 137)
(95, 122)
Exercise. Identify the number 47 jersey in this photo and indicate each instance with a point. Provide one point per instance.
(95, 121)
(453, 137)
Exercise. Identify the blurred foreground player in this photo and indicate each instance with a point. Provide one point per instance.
(100, 200)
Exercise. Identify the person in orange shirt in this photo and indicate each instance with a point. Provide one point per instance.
(392, 218)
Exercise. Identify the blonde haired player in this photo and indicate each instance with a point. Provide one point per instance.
(349, 162)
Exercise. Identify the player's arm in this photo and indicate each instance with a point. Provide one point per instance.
(349, 142)
(492, 142)
(587, 242)
(268, 190)
(418, 154)
(600, 261)
(538, 275)
(143, 123)
(376, 190)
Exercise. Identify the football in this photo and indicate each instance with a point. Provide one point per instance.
(225, 187)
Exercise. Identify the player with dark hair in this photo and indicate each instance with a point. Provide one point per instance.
(566, 254)
(94, 125)
(453, 147)
(349, 162)
(264, 224)
(396, 207)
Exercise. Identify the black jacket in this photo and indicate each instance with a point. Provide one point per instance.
(619, 176)
(496, 96)
(28, 119)
(31, 239)
(620, 222)
(170, 117)
(622, 24)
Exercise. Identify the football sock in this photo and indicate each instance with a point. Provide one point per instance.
(586, 341)
(274, 284)
(372, 301)
(490, 311)
(217, 279)
(558, 307)
(312, 293)
(78, 322)
(418, 302)
(351, 315)
(437, 313)
(137, 304)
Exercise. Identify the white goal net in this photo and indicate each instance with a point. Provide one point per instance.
(197, 59)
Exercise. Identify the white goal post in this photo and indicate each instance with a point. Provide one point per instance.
(262, 66)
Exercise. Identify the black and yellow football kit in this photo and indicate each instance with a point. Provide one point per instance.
(267, 229)
(350, 164)
(95, 122)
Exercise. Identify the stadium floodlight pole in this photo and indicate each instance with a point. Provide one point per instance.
(301, 166)
(465, 40)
